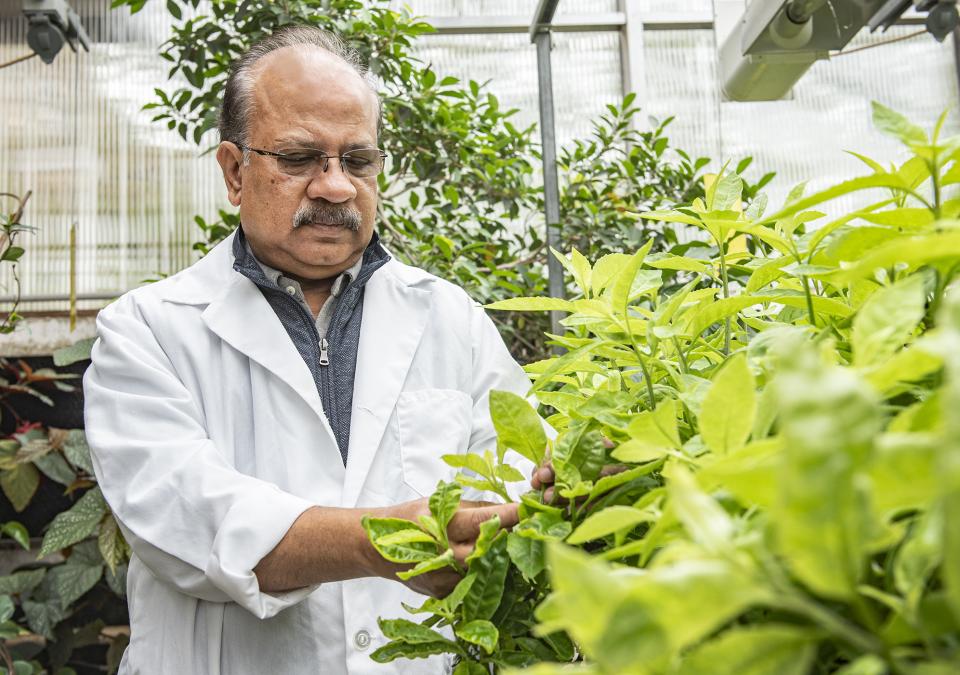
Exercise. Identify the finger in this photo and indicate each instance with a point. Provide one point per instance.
(607, 443)
(613, 469)
(466, 523)
(542, 477)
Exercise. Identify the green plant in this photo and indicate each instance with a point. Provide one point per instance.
(60, 604)
(10, 229)
(788, 487)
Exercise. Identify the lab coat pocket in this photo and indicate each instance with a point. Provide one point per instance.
(432, 423)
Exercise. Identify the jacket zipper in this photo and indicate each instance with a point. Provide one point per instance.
(324, 355)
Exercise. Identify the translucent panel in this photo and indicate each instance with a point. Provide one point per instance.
(585, 66)
(502, 7)
(680, 74)
(802, 138)
(674, 7)
(74, 133)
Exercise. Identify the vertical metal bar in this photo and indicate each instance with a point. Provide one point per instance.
(632, 70)
(551, 190)
(956, 54)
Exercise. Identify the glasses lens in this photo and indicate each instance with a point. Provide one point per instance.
(362, 162)
(299, 163)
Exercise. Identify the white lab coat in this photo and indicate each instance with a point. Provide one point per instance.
(208, 440)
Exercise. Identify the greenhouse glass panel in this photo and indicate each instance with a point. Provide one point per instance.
(479, 8)
(75, 134)
(830, 105)
(509, 62)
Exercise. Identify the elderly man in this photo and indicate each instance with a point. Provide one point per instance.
(244, 414)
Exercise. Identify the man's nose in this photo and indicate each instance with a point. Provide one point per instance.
(334, 184)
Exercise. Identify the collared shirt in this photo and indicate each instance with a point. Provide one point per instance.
(292, 288)
(328, 343)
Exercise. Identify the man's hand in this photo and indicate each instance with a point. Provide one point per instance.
(544, 477)
(462, 533)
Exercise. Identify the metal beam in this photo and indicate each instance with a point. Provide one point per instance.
(588, 23)
(956, 54)
(28, 299)
(483, 25)
(541, 37)
(543, 17)
(633, 74)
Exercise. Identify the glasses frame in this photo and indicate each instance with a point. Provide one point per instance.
(319, 154)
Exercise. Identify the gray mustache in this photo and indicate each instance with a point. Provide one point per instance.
(327, 213)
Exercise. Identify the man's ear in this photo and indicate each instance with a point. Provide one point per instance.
(230, 158)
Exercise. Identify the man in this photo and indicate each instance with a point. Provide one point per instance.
(244, 414)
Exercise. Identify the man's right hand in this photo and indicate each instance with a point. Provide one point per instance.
(463, 530)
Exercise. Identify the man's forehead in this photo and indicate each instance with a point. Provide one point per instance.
(306, 72)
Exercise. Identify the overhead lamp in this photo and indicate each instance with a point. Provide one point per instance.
(776, 41)
(53, 23)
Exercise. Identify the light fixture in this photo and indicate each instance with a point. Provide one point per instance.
(53, 23)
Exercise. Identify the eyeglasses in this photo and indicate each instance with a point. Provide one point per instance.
(361, 163)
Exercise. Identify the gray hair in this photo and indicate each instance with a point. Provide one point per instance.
(234, 121)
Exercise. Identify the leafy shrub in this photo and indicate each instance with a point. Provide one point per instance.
(788, 489)
(61, 601)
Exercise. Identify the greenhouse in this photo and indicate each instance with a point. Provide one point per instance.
(480, 337)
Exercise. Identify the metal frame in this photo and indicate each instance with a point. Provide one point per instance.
(540, 35)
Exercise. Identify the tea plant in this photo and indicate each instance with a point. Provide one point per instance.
(788, 490)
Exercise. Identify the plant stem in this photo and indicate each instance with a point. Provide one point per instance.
(806, 292)
(726, 294)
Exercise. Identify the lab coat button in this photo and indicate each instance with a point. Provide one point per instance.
(362, 639)
(291, 290)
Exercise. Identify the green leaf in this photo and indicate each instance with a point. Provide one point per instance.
(444, 503)
(409, 631)
(111, 543)
(411, 547)
(75, 524)
(728, 410)
(71, 581)
(6, 608)
(896, 125)
(76, 450)
(704, 519)
(919, 557)
(727, 193)
(12, 254)
(481, 633)
(527, 554)
(869, 664)
(19, 485)
(446, 559)
(769, 649)
(489, 529)
(533, 305)
(21, 582)
(446, 607)
(420, 650)
(606, 269)
(829, 419)
(43, 617)
(607, 521)
(887, 320)
(623, 282)
(55, 467)
(490, 569)
(518, 425)
(18, 533)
